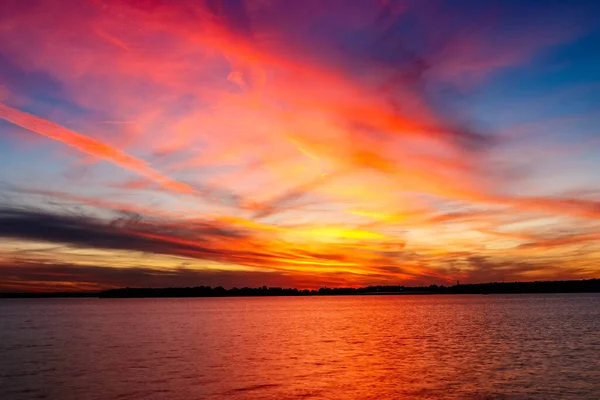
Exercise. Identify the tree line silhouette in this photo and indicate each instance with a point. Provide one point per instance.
(574, 286)
(580, 286)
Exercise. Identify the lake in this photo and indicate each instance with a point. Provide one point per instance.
(347, 347)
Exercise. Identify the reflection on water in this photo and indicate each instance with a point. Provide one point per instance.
(389, 347)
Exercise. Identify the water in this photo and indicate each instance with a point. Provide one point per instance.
(384, 347)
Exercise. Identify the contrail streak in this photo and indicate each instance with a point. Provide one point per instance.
(92, 147)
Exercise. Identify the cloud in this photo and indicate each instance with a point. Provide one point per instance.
(82, 231)
(577, 207)
(563, 241)
(480, 269)
(25, 275)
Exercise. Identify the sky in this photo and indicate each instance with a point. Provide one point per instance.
(156, 143)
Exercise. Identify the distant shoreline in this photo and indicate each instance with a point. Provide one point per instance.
(538, 287)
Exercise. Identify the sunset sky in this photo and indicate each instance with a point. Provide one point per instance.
(297, 143)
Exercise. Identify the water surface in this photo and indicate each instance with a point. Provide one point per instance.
(352, 347)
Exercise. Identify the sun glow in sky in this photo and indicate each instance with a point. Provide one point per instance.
(297, 143)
